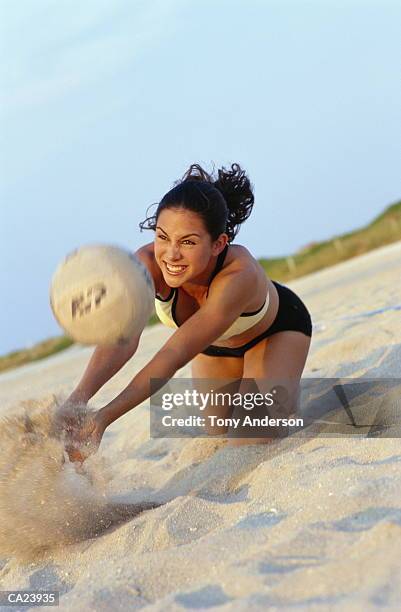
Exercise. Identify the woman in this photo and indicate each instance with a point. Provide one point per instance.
(230, 319)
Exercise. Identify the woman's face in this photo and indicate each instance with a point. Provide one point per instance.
(183, 247)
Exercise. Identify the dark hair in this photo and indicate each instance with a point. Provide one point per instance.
(223, 203)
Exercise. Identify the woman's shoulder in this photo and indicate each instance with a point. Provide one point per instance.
(239, 259)
(146, 254)
(239, 267)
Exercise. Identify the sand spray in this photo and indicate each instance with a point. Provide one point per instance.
(47, 501)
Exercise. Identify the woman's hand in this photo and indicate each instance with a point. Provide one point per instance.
(80, 429)
(67, 416)
(84, 438)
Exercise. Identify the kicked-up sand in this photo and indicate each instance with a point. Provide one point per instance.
(305, 523)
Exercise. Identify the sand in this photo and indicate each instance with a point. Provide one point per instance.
(306, 523)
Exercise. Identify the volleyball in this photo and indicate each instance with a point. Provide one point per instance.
(102, 295)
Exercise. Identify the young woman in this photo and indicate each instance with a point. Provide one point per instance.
(231, 321)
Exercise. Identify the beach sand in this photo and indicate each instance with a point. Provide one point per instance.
(305, 523)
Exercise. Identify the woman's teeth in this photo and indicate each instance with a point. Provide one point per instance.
(175, 269)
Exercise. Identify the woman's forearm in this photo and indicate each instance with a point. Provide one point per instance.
(162, 366)
(104, 363)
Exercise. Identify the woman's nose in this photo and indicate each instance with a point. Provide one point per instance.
(174, 252)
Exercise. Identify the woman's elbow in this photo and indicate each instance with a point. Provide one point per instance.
(174, 359)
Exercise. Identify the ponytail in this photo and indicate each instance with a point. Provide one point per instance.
(237, 191)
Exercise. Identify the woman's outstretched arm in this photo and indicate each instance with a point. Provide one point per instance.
(104, 363)
(222, 308)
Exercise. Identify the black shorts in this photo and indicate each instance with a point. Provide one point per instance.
(292, 315)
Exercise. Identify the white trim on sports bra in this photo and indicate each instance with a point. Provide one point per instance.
(165, 310)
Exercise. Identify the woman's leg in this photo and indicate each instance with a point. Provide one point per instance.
(206, 368)
(279, 360)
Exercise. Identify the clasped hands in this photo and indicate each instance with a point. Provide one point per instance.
(80, 429)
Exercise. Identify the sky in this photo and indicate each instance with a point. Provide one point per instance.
(104, 104)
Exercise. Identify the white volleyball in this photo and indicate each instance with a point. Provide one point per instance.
(102, 294)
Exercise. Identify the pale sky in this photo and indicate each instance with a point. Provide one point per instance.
(104, 104)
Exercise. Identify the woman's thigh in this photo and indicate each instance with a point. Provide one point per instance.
(218, 374)
(205, 366)
(277, 364)
(282, 355)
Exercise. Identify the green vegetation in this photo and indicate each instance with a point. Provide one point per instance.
(42, 350)
(38, 351)
(386, 228)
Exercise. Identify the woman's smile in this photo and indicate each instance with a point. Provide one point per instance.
(183, 248)
(174, 270)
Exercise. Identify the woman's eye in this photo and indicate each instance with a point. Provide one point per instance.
(161, 236)
(188, 241)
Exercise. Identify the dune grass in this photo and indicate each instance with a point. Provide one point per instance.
(384, 229)
(36, 352)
